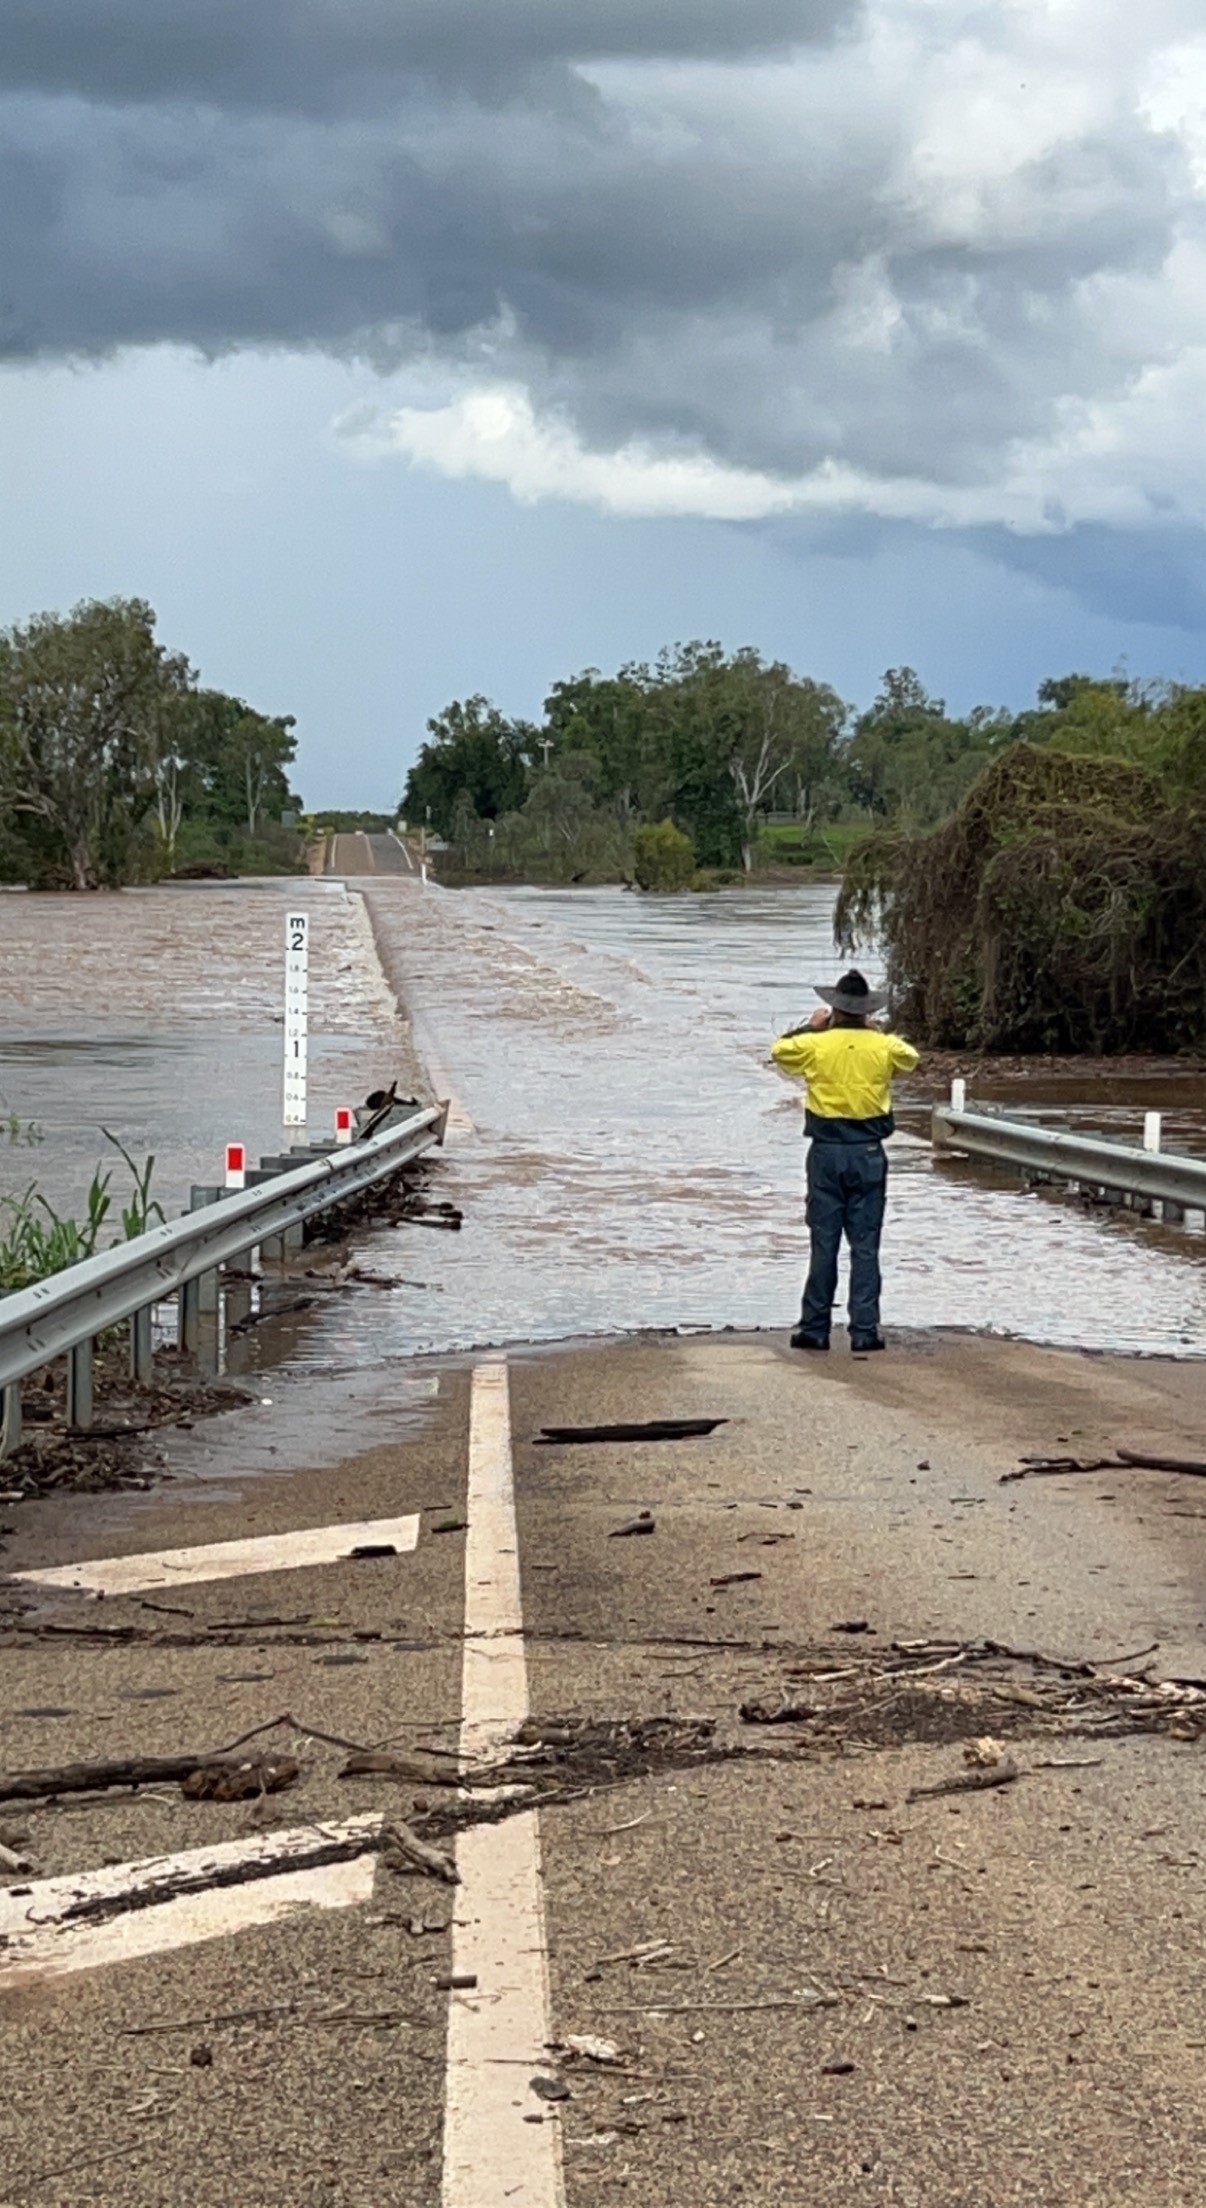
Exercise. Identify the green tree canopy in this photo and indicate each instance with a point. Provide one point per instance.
(471, 747)
(111, 756)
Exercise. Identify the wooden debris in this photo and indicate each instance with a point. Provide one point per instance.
(1125, 1460)
(415, 1769)
(1194, 1468)
(402, 1850)
(969, 1782)
(776, 1713)
(652, 1429)
(94, 1778)
(238, 1782)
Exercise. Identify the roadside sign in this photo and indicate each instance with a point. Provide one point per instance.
(236, 1165)
(297, 972)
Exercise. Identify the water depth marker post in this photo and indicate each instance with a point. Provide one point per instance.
(297, 986)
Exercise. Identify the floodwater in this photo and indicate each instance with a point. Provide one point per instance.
(635, 1161)
(624, 1153)
(157, 1013)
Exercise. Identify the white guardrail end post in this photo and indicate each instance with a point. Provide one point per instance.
(958, 1094)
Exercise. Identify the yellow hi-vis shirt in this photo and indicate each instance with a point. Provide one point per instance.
(848, 1069)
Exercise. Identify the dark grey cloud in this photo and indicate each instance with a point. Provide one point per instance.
(321, 56)
(702, 223)
(1162, 583)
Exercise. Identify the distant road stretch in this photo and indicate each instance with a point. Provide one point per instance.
(364, 854)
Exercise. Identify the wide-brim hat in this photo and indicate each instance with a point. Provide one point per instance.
(850, 994)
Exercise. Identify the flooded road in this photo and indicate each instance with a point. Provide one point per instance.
(626, 1156)
(636, 1162)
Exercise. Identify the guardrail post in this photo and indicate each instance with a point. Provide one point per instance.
(141, 1347)
(188, 1320)
(79, 1385)
(272, 1249)
(958, 1095)
(207, 1283)
(236, 1292)
(10, 1419)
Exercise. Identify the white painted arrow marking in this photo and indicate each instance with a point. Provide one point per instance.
(273, 1552)
(36, 1942)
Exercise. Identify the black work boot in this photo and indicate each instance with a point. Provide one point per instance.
(862, 1344)
(801, 1340)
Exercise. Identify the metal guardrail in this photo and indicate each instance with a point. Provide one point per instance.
(62, 1316)
(1090, 1160)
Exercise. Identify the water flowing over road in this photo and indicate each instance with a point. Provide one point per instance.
(625, 1154)
(636, 1162)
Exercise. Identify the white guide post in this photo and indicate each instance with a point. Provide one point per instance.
(958, 1095)
(297, 983)
(1151, 1130)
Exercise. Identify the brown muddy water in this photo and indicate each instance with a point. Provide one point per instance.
(158, 1013)
(627, 1158)
(635, 1160)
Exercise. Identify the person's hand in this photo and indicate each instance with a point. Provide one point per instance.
(821, 1017)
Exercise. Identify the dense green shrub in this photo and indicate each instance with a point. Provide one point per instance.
(664, 857)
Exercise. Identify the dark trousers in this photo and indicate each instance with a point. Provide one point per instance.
(847, 1186)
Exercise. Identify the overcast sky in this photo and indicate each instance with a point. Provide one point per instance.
(397, 349)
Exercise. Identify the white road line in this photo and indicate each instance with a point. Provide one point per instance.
(497, 2035)
(36, 1942)
(271, 1552)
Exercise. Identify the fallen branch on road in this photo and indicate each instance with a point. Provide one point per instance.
(1194, 1468)
(1125, 1460)
(968, 1782)
(416, 1769)
(96, 1778)
(650, 1429)
(402, 1850)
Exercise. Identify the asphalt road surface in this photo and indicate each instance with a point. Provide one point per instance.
(698, 1958)
(368, 854)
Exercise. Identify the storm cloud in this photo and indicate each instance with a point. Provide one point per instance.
(922, 258)
(321, 56)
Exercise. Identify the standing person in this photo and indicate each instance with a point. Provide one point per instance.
(848, 1066)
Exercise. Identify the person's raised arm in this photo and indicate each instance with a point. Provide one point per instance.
(795, 1051)
(901, 1055)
